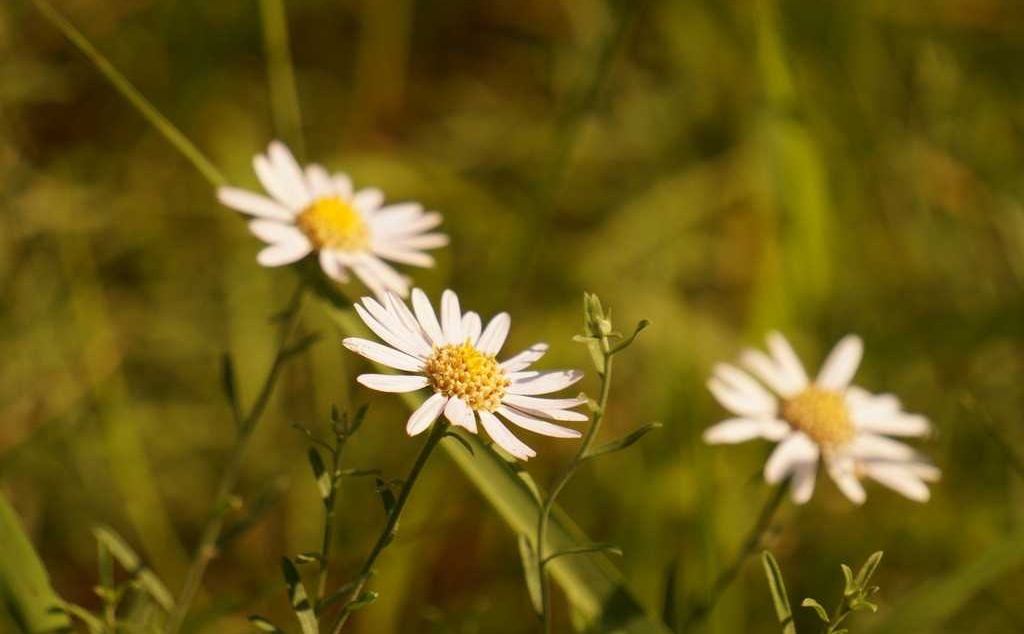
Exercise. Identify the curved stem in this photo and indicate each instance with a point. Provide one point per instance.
(750, 546)
(437, 432)
(570, 470)
(207, 548)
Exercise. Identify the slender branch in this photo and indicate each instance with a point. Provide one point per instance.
(328, 537)
(750, 545)
(207, 547)
(436, 434)
(570, 470)
(129, 92)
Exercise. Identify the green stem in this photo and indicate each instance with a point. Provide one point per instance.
(750, 546)
(437, 432)
(125, 87)
(327, 542)
(207, 548)
(284, 98)
(570, 470)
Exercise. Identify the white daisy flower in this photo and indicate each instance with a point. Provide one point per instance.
(312, 210)
(828, 419)
(456, 358)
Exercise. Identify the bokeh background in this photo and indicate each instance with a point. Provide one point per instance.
(720, 168)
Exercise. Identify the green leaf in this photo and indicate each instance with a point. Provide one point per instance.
(622, 345)
(529, 559)
(92, 623)
(324, 483)
(868, 570)
(308, 558)
(264, 625)
(817, 607)
(581, 550)
(300, 346)
(24, 585)
(299, 598)
(365, 599)
(230, 386)
(387, 496)
(622, 443)
(458, 438)
(669, 609)
(132, 563)
(850, 584)
(778, 589)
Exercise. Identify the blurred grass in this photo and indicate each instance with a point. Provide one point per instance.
(821, 167)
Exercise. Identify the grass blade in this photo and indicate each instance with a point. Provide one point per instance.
(778, 590)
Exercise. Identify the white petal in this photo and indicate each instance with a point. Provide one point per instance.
(273, 232)
(332, 266)
(426, 317)
(471, 327)
(542, 404)
(396, 215)
(841, 364)
(284, 253)
(741, 383)
(368, 200)
(801, 488)
(398, 308)
(393, 322)
(373, 268)
(504, 438)
(794, 450)
(398, 340)
(870, 446)
(536, 425)
(318, 182)
(735, 430)
(460, 414)
(739, 402)
(525, 358)
(289, 173)
(451, 318)
(253, 204)
(787, 360)
(424, 241)
(843, 474)
(425, 414)
(899, 479)
(401, 255)
(768, 371)
(342, 185)
(897, 425)
(393, 382)
(383, 354)
(494, 335)
(423, 223)
(544, 382)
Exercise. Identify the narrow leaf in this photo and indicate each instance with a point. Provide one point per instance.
(868, 570)
(817, 607)
(591, 548)
(298, 598)
(624, 442)
(669, 609)
(364, 600)
(300, 346)
(324, 484)
(529, 558)
(230, 386)
(264, 625)
(622, 345)
(778, 589)
(462, 441)
(387, 496)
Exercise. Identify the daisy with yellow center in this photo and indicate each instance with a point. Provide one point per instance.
(827, 419)
(310, 210)
(456, 357)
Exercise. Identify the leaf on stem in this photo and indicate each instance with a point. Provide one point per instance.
(324, 483)
(462, 441)
(264, 625)
(590, 548)
(624, 442)
(130, 561)
(387, 496)
(622, 345)
(868, 570)
(298, 598)
(365, 599)
(230, 386)
(300, 346)
(778, 589)
(817, 607)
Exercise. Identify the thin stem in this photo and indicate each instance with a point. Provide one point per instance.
(570, 470)
(129, 92)
(207, 547)
(750, 545)
(437, 432)
(284, 99)
(327, 542)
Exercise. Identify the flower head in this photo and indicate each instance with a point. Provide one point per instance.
(456, 357)
(829, 419)
(309, 210)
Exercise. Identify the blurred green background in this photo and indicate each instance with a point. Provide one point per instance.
(718, 168)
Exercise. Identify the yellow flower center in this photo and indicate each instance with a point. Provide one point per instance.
(821, 414)
(463, 371)
(332, 223)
